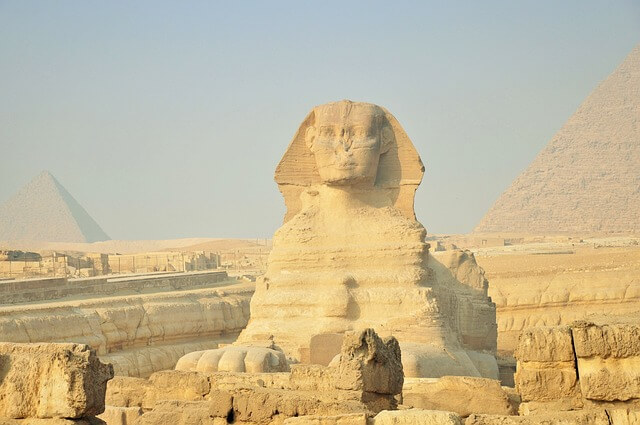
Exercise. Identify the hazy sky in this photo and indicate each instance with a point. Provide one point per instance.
(167, 119)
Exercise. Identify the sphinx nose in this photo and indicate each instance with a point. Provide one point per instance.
(345, 140)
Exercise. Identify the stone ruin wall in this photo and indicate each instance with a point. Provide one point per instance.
(138, 332)
(548, 290)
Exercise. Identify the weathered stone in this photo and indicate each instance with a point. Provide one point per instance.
(113, 415)
(127, 392)
(262, 405)
(369, 364)
(415, 417)
(53, 421)
(221, 403)
(608, 361)
(555, 418)
(462, 395)
(178, 413)
(51, 381)
(347, 419)
(178, 385)
(546, 369)
(546, 344)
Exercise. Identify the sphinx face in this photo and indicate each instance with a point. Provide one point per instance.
(346, 142)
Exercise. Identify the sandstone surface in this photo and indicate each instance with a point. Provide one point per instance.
(415, 417)
(584, 366)
(546, 369)
(608, 361)
(460, 394)
(51, 381)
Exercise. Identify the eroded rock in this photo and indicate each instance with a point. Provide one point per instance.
(51, 381)
(460, 394)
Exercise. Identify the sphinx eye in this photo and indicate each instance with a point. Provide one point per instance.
(359, 132)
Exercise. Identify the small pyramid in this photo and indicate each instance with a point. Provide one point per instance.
(587, 179)
(43, 210)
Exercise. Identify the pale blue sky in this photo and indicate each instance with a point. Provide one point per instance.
(167, 119)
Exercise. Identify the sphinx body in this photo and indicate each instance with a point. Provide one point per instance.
(351, 254)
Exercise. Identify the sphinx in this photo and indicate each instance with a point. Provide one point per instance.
(351, 254)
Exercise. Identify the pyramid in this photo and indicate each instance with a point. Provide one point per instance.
(587, 179)
(43, 210)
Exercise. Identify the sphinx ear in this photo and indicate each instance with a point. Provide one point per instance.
(310, 136)
(386, 138)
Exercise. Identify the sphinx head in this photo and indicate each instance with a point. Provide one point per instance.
(347, 140)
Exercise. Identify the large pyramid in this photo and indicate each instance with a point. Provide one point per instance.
(587, 179)
(43, 210)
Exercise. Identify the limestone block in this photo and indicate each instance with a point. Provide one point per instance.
(221, 403)
(415, 417)
(178, 413)
(546, 369)
(546, 344)
(235, 359)
(462, 395)
(542, 407)
(624, 416)
(178, 385)
(52, 421)
(369, 364)
(610, 340)
(584, 417)
(608, 361)
(113, 415)
(262, 405)
(127, 392)
(536, 382)
(51, 381)
(347, 419)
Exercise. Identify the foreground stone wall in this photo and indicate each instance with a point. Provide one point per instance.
(581, 366)
(139, 334)
(365, 379)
